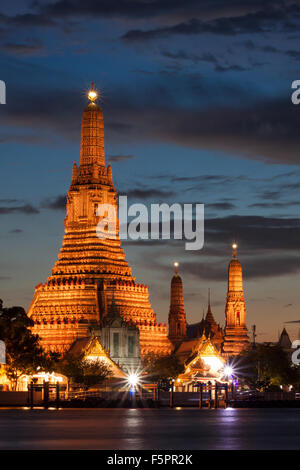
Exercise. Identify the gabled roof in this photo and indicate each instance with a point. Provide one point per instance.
(205, 362)
(92, 348)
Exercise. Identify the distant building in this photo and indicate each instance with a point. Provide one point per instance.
(230, 341)
(236, 334)
(204, 365)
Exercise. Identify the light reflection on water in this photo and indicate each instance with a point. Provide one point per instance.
(150, 429)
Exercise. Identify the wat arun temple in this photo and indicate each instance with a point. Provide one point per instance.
(92, 282)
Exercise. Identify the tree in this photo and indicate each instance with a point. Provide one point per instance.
(24, 355)
(162, 369)
(82, 371)
(266, 367)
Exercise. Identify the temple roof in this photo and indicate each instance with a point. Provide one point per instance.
(93, 349)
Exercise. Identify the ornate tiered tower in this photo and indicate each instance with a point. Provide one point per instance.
(236, 333)
(177, 318)
(211, 328)
(90, 271)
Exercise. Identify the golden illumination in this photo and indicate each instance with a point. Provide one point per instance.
(92, 95)
(234, 246)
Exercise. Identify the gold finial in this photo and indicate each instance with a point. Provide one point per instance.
(234, 249)
(92, 94)
(176, 267)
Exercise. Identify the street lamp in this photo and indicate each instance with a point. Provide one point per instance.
(228, 371)
(133, 380)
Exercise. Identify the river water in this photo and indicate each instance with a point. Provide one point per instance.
(159, 429)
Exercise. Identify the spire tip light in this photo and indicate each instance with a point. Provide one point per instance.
(176, 267)
(92, 94)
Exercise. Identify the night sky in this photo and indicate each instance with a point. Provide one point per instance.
(197, 107)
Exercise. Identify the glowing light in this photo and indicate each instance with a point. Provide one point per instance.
(234, 246)
(133, 380)
(214, 363)
(228, 371)
(176, 264)
(92, 95)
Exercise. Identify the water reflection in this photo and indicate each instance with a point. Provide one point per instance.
(179, 428)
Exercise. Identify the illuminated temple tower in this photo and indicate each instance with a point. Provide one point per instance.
(177, 317)
(236, 333)
(90, 271)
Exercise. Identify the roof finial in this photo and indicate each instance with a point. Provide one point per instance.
(176, 264)
(208, 298)
(92, 94)
(234, 249)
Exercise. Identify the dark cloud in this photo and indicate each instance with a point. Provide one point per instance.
(255, 267)
(249, 44)
(262, 21)
(22, 139)
(8, 201)
(182, 55)
(5, 278)
(149, 193)
(275, 205)
(25, 209)
(154, 9)
(55, 203)
(22, 49)
(120, 158)
(16, 230)
(270, 195)
(266, 130)
(293, 54)
(255, 233)
(225, 206)
(27, 20)
(230, 68)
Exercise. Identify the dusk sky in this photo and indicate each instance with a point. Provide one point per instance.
(196, 97)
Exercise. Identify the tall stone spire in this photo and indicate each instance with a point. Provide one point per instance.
(92, 132)
(177, 317)
(91, 269)
(236, 333)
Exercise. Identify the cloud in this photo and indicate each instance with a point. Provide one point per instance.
(27, 20)
(275, 205)
(149, 193)
(255, 267)
(8, 201)
(265, 130)
(182, 55)
(22, 139)
(225, 206)
(293, 54)
(25, 209)
(5, 278)
(24, 50)
(120, 158)
(255, 233)
(16, 230)
(205, 57)
(230, 68)
(57, 203)
(262, 21)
